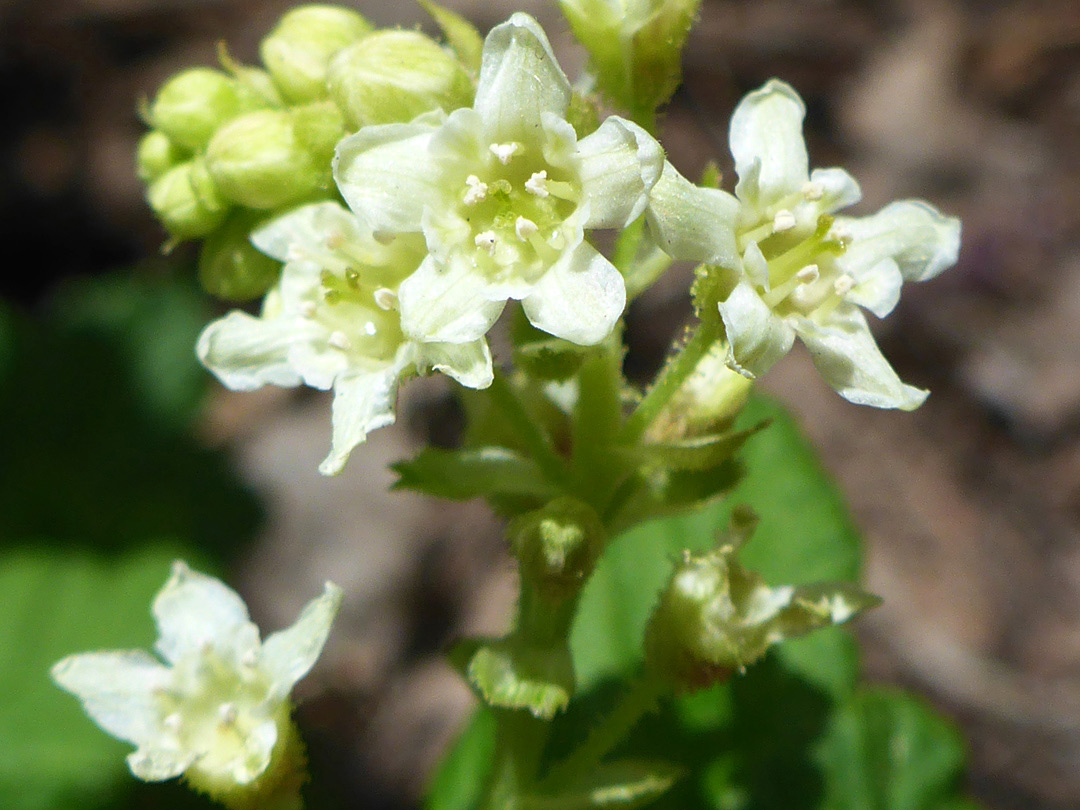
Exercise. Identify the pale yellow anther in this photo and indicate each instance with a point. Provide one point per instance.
(339, 340)
(843, 284)
(808, 275)
(537, 184)
(486, 240)
(840, 233)
(504, 151)
(783, 221)
(335, 239)
(308, 309)
(385, 299)
(524, 228)
(812, 191)
(475, 190)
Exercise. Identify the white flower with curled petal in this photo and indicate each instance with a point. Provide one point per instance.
(332, 322)
(216, 706)
(789, 267)
(503, 192)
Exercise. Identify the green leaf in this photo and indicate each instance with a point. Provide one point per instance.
(461, 777)
(622, 784)
(888, 751)
(460, 475)
(55, 605)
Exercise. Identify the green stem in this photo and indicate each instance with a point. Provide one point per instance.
(612, 730)
(530, 433)
(671, 378)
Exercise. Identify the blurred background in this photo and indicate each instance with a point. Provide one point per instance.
(970, 506)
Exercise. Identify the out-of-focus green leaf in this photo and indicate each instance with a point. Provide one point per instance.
(461, 777)
(53, 605)
(620, 785)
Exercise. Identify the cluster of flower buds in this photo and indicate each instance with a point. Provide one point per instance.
(232, 148)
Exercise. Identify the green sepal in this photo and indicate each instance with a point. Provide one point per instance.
(460, 475)
(461, 35)
(698, 453)
(507, 674)
(623, 784)
(666, 491)
(550, 358)
(230, 267)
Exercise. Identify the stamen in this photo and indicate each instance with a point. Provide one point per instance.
(812, 191)
(524, 228)
(227, 714)
(505, 151)
(339, 340)
(783, 221)
(308, 309)
(476, 190)
(808, 275)
(486, 240)
(843, 284)
(385, 299)
(537, 184)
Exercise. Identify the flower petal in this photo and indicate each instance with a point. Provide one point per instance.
(117, 689)
(305, 228)
(289, 654)
(756, 337)
(767, 144)
(194, 610)
(579, 298)
(691, 222)
(620, 163)
(838, 189)
(849, 359)
(156, 764)
(362, 403)
(446, 302)
(519, 80)
(468, 363)
(386, 175)
(246, 353)
(912, 233)
(877, 289)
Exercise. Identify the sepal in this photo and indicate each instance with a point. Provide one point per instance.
(508, 674)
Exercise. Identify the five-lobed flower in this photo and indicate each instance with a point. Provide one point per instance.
(217, 710)
(503, 193)
(787, 267)
(332, 322)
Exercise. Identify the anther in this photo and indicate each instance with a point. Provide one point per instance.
(335, 239)
(783, 221)
(537, 184)
(504, 151)
(308, 309)
(808, 275)
(812, 191)
(486, 240)
(843, 284)
(476, 190)
(227, 714)
(524, 228)
(339, 340)
(385, 299)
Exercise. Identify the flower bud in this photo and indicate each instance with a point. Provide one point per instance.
(299, 49)
(706, 403)
(194, 103)
(229, 265)
(319, 127)
(259, 161)
(557, 546)
(186, 201)
(393, 76)
(716, 617)
(156, 155)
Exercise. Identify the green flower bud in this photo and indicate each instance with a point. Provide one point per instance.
(194, 103)
(186, 201)
(299, 49)
(258, 160)
(156, 155)
(706, 403)
(394, 76)
(716, 617)
(229, 265)
(319, 127)
(557, 546)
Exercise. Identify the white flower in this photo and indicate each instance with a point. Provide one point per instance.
(503, 193)
(217, 709)
(332, 322)
(793, 269)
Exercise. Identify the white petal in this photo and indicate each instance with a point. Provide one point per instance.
(849, 359)
(756, 337)
(386, 175)
(756, 266)
(468, 363)
(245, 352)
(194, 610)
(446, 302)
(691, 222)
(362, 403)
(519, 80)
(767, 144)
(305, 227)
(877, 289)
(912, 233)
(579, 298)
(117, 689)
(620, 163)
(838, 189)
(156, 764)
(289, 654)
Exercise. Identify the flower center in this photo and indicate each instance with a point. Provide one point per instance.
(801, 268)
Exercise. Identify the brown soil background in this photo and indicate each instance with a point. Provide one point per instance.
(970, 506)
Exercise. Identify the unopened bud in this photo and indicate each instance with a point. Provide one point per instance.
(156, 155)
(393, 76)
(229, 265)
(186, 201)
(259, 161)
(193, 104)
(319, 127)
(557, 546)
(299, 49)
(706, 403)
